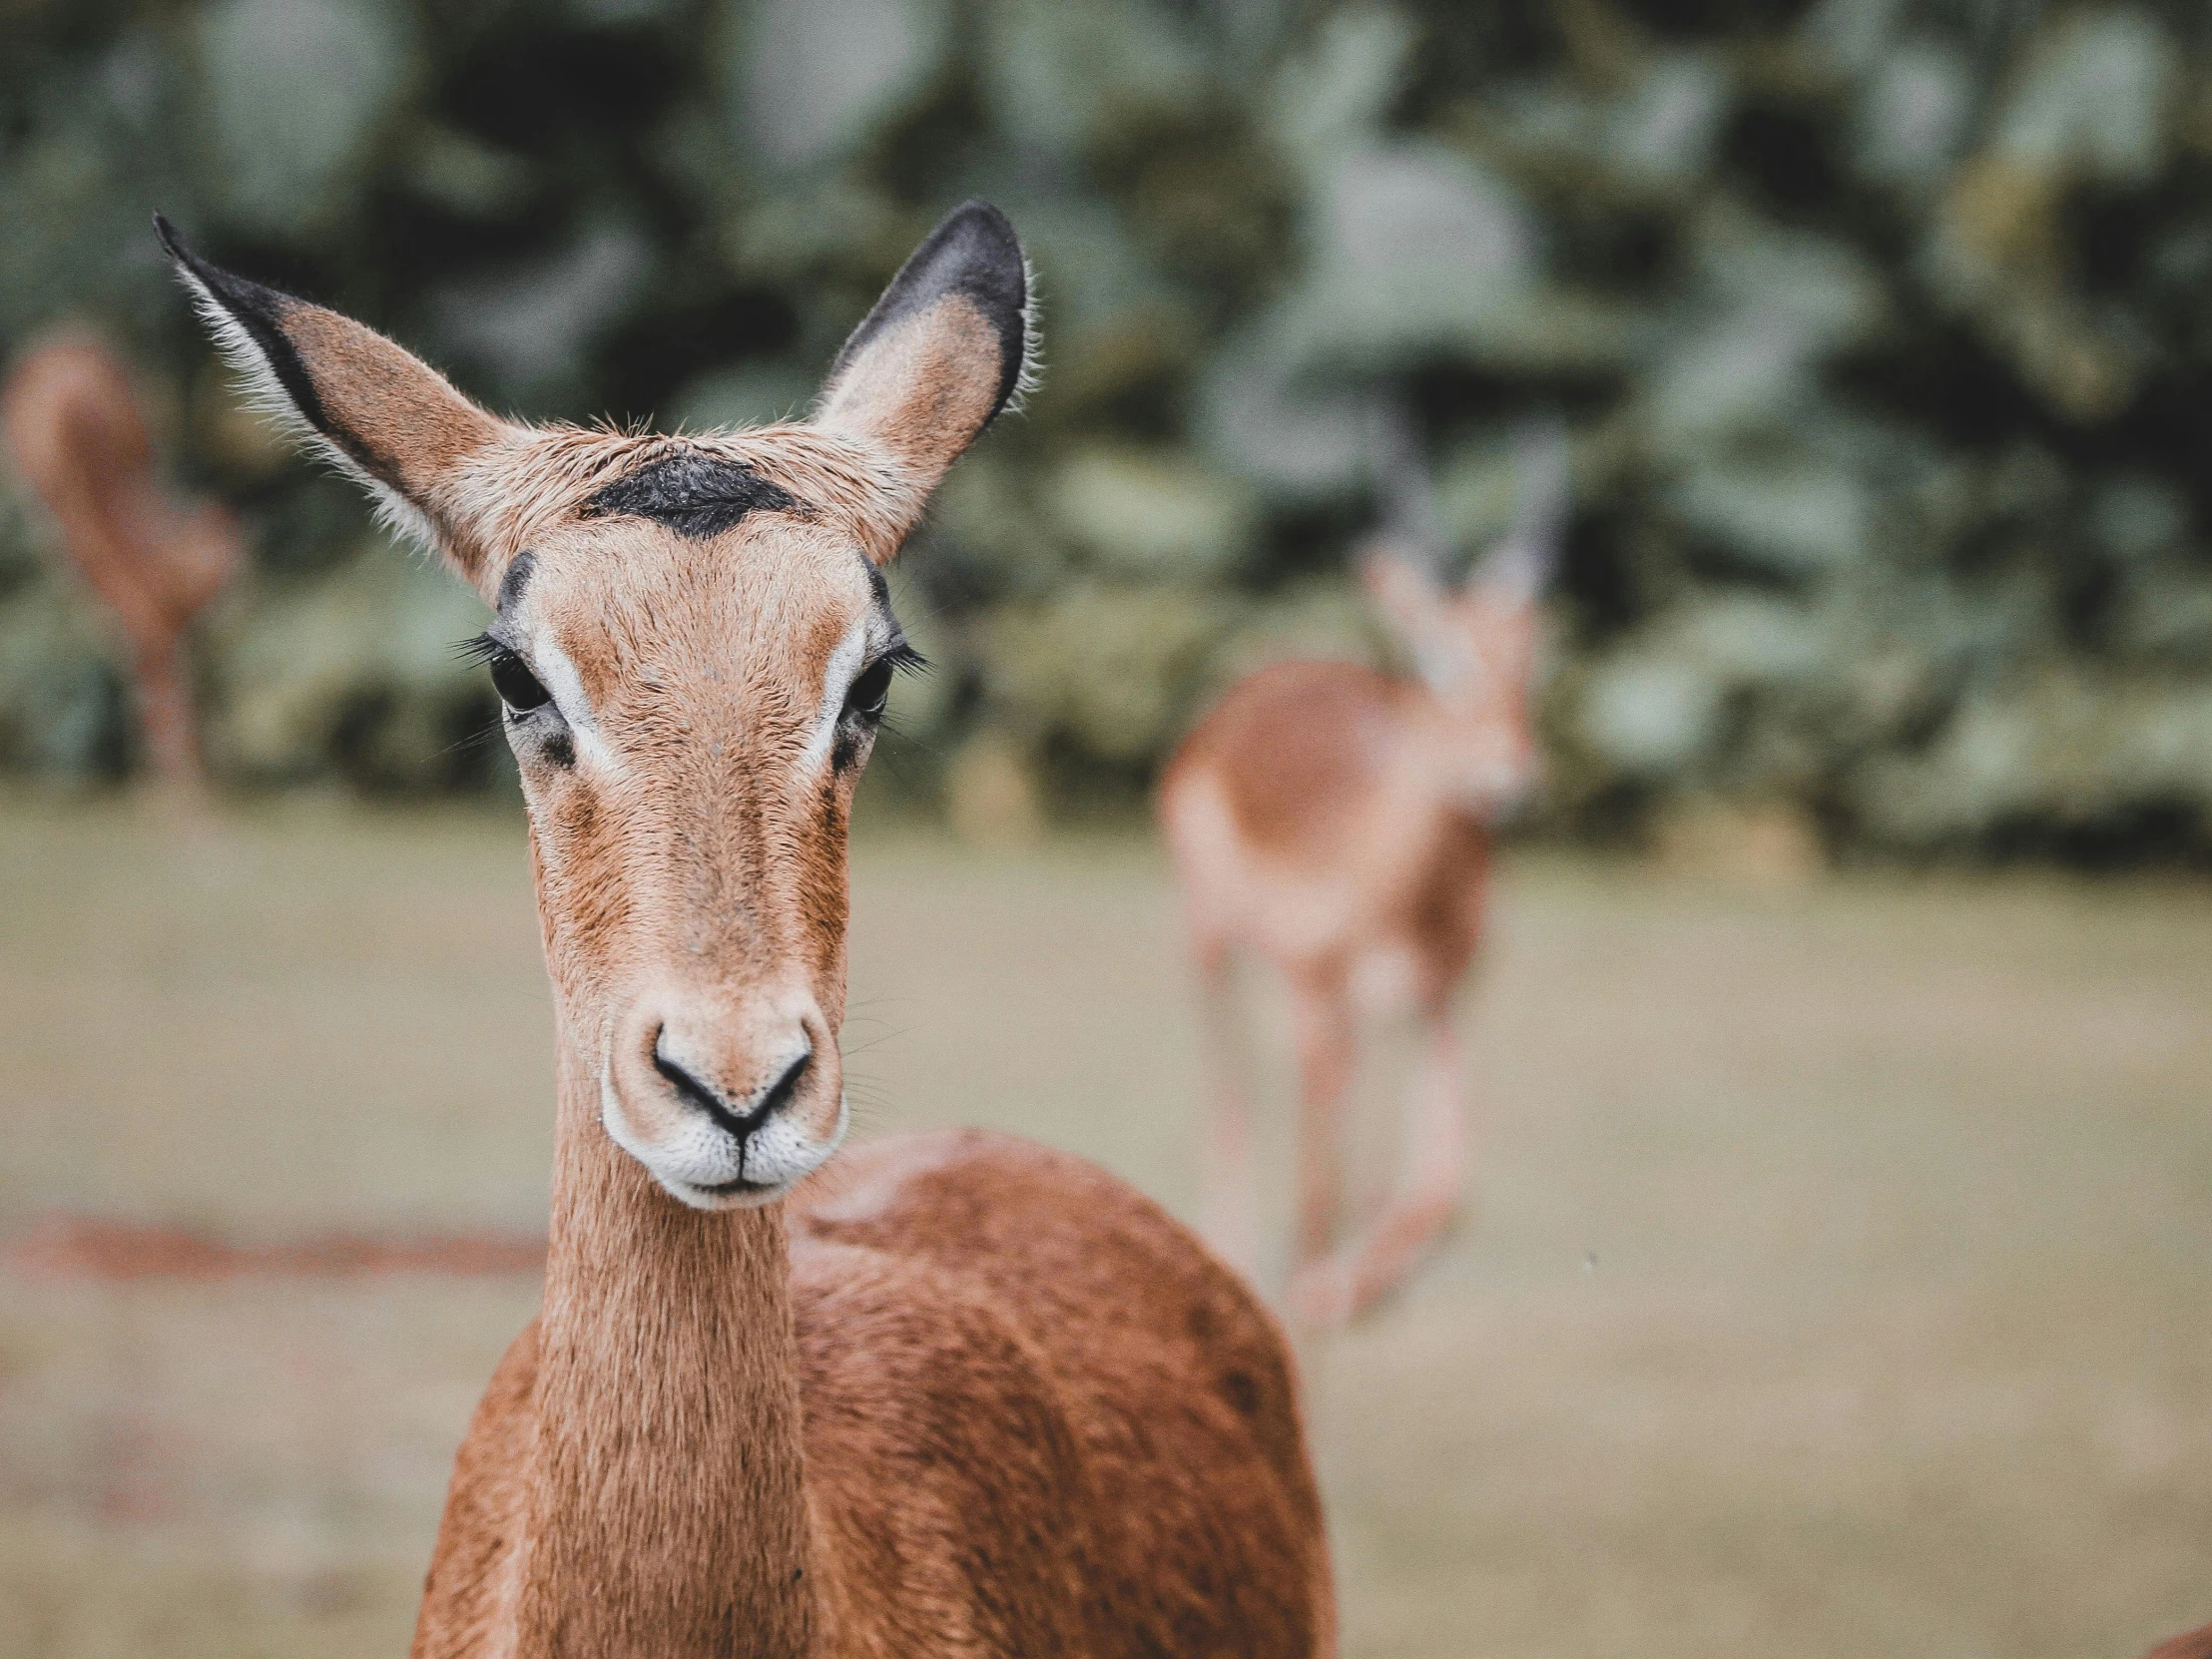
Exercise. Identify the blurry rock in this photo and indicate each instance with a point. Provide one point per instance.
(1768, 844)
(295, 92)
(1153, 513)
(991, 797)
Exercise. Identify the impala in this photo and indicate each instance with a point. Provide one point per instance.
(74, 429)
(1334, 823)
(960, 1395)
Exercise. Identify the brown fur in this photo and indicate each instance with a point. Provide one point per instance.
(76, 437)
(1034, 1417)
(2197, 1644)
(969, 1397)
(1334, 823)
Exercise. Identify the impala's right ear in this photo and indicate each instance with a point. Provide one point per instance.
(380, 414)
(1402, 590)
(950, 344)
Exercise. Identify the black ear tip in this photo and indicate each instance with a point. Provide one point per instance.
(986, 218)
(172, 244)
(981, 232)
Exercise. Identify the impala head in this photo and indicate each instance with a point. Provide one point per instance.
(1474, 646)
(692, 642)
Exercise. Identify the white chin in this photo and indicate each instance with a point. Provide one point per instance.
(740, 1197)
(708, 1170)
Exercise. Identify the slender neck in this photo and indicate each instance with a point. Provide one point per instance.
(667, 1505)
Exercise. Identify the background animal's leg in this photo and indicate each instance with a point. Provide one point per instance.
(1426, 1197)
(164, 718)
(1230, 1204)
(1324, 1026)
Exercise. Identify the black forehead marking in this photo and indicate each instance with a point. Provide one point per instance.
(516, 579)
(693, 493)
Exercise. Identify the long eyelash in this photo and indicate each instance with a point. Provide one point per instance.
(904, 659)
(482, 649)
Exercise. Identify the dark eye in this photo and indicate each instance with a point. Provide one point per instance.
(865, 698)
(518, 688)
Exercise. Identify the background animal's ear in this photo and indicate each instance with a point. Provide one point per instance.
(1403, 590)
(1518, 569)
(949, 346)
(378, 413)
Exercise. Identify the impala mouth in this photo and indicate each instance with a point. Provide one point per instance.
(740, 1187)
(697, 1162)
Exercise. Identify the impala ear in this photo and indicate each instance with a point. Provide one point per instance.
(1409, 597)
(1518, 569)
(950, 344)
(383, 416)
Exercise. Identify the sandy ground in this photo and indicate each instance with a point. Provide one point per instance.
(1836, 1283)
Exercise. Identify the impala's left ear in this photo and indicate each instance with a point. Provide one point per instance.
(950, 344)
(381, 415)
(1403, 590)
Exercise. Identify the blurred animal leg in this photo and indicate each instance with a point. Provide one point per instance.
(1324, 1054)
(1434, 1160)
(1230, 1207)
(164, 718)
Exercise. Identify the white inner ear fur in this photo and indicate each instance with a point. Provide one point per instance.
(837, 682)
(267, 397)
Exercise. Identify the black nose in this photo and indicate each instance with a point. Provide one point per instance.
(740, 1123)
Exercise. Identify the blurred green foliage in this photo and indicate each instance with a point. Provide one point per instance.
(1880, 331)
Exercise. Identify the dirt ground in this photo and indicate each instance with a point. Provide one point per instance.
(1835, 1282)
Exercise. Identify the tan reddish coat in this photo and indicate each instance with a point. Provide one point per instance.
(76, 437)
(2197, 1644)
(957, 1393)
(1334, 823)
